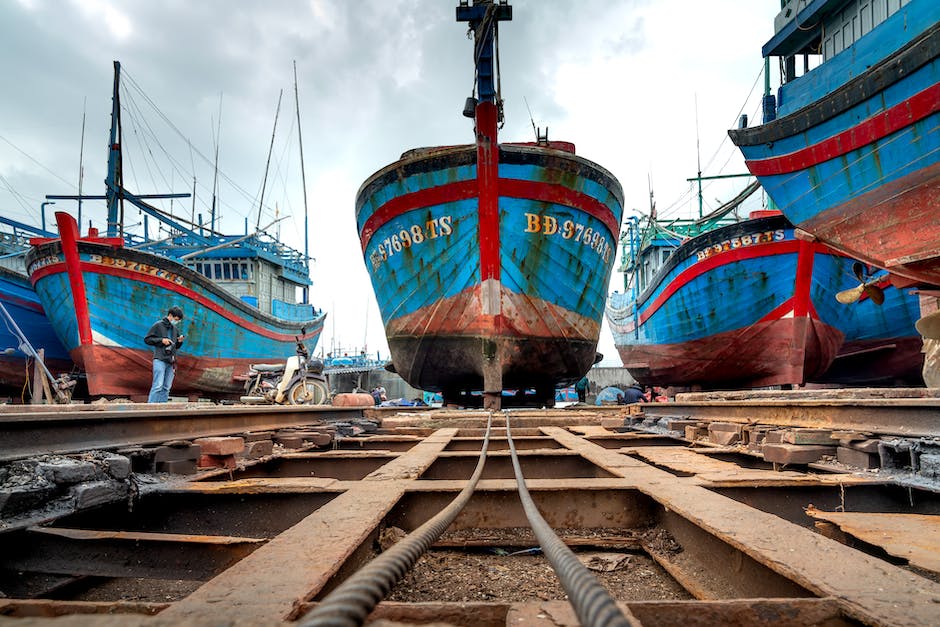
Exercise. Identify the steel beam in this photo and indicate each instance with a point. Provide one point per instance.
(911, 417)
(81, 428)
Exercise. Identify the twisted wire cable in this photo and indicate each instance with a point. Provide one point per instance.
(592, 604)
(350, 603)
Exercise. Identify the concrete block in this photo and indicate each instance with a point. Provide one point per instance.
(20, 498)
(118, 466)
(289, 441)
(695, 432)
(856, 458)
(724, 433)
(930, 465)
(809, 436)
(259, 448)
(318, 439)
(216, 461)
(94, 493)
(142, 459)
(677, 424)
(177, 466)
(66, 470)
(796, 453)
(867, 446)
(220, 445)
(176, 453)
(774, 437)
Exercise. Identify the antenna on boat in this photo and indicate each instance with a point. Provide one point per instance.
(698, 158)
(215, 177)
(531, 119)
(303, 178)
(267, 165)
(81, 161)
(539, 138)
(649, 185)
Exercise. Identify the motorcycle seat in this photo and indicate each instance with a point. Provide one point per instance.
(268, 367)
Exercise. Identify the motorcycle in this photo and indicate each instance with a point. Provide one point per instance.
(298, 381)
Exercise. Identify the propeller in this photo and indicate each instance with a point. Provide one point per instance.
(929, 325)
(867, 285)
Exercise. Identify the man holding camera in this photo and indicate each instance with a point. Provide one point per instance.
(166, 342)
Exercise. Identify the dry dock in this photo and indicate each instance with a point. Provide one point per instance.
(779, 508)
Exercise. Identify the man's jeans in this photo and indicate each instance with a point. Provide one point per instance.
(162, 380)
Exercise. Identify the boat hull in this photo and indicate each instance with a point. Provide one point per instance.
(20, 300)
(513, 296)
(725, 314)
(103, 299)
(856, 163)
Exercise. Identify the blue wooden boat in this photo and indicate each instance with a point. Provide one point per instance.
(102, 294)
(719, 305)
(850, 150)
(22, 304)
(490, 262)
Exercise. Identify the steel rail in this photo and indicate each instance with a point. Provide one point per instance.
(354, 599)
(592, 604)
(85, 427)
(910, 417)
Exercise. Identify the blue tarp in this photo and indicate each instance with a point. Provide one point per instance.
(608, 395)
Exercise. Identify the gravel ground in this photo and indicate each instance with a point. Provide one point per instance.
(498, 575)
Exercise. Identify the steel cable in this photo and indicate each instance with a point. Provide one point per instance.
(350, 603)
(592, 604)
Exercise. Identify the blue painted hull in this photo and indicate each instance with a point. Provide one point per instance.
(528, 294)
(749, 305)
(20, 300)
(854, 155)
(126, 291)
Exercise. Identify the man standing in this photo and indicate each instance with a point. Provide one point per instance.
(166, 342)
(581, 387)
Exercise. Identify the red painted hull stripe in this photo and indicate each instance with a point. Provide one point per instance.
(24, 304)
(488, 189)
(700, 268)
(904, 114)
(182, 291)
(68, 231)
(513, 188)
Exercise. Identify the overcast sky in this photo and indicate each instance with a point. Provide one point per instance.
(627, 81)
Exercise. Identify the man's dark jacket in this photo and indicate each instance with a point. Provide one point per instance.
(163, 329)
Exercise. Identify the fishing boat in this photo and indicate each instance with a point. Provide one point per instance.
(850, 150)
(26, 315)
(717, 303)
(20, 301)
(490, 261)
(103, 292)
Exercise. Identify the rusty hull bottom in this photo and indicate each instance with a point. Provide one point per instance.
(455, 364)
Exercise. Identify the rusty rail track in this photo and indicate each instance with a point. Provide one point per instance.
(76, 428)
(913, 417)
(268, 542)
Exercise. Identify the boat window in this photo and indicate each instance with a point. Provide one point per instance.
(227, 271)
(245, 274)
(217, 274)
(198, 268)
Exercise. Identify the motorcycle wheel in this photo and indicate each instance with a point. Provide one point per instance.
(308, 392)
